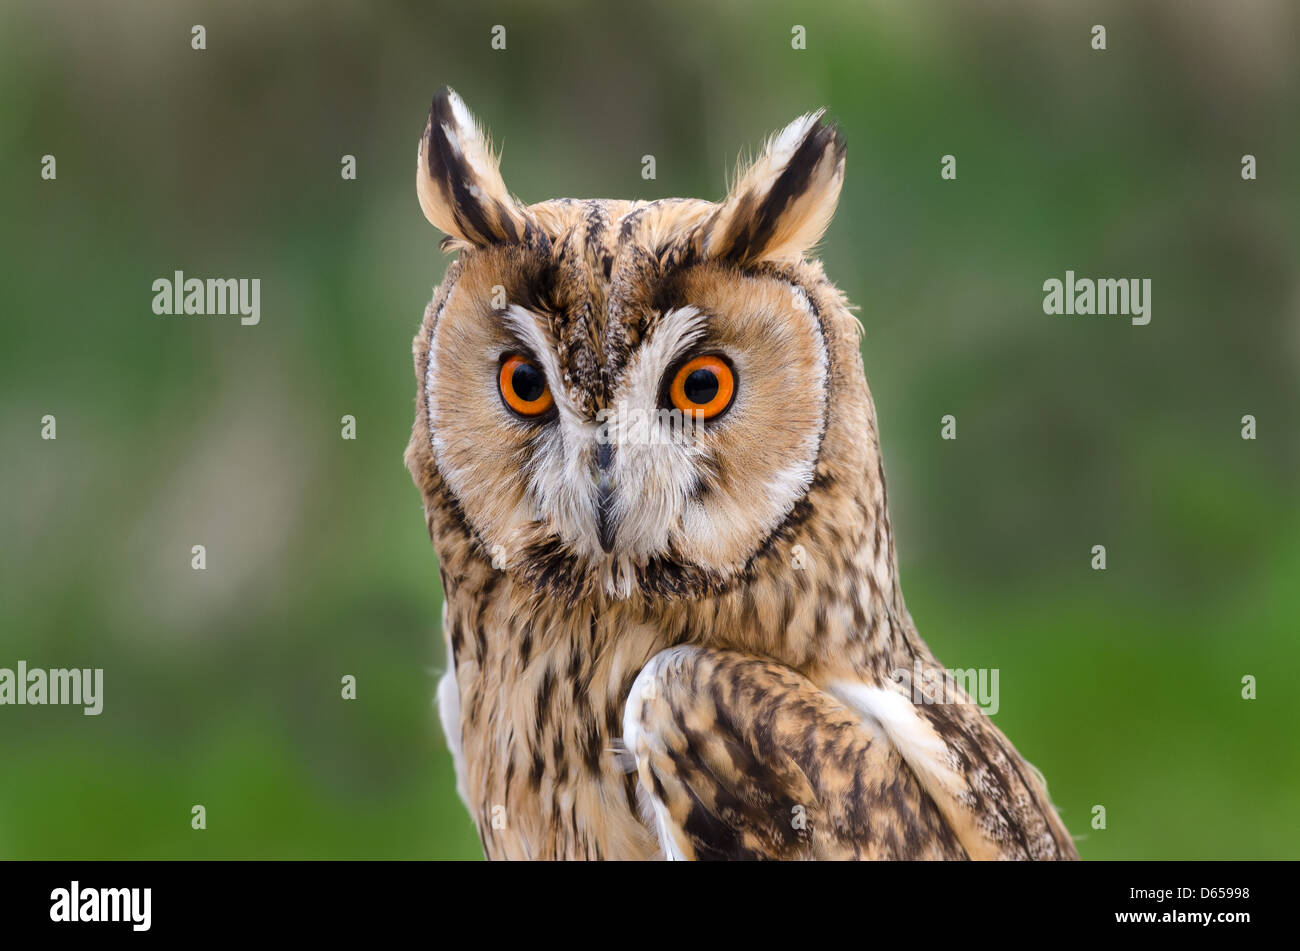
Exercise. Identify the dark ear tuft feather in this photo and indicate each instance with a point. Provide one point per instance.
(459, 182)
(784, 201)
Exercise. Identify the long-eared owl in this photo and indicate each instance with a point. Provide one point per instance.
(652, 476)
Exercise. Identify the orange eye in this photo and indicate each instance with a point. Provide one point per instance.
(523, 386)
(703, 386)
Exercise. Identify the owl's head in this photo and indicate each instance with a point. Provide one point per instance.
(627, 397)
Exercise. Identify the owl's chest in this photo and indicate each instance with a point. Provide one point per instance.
(540, 699)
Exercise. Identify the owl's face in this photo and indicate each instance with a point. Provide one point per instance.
(625, 397)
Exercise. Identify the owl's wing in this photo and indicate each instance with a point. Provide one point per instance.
(993, 799)
(743, 758)
(449, 714)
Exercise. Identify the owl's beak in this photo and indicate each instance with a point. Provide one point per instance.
(606, 525)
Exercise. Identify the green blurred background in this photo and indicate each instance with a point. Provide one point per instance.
(222, 686)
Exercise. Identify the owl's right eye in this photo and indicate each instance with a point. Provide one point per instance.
(523, 387)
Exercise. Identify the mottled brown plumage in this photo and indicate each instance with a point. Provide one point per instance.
(722, 680)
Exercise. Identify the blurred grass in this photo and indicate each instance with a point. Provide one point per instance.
(222, 687)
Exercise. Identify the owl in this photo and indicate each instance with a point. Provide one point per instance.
(651, 473)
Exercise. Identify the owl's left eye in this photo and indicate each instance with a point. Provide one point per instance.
(523, 387)
(703, 386)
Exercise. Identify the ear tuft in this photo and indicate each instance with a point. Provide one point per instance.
(459, 181)
(781, 205)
